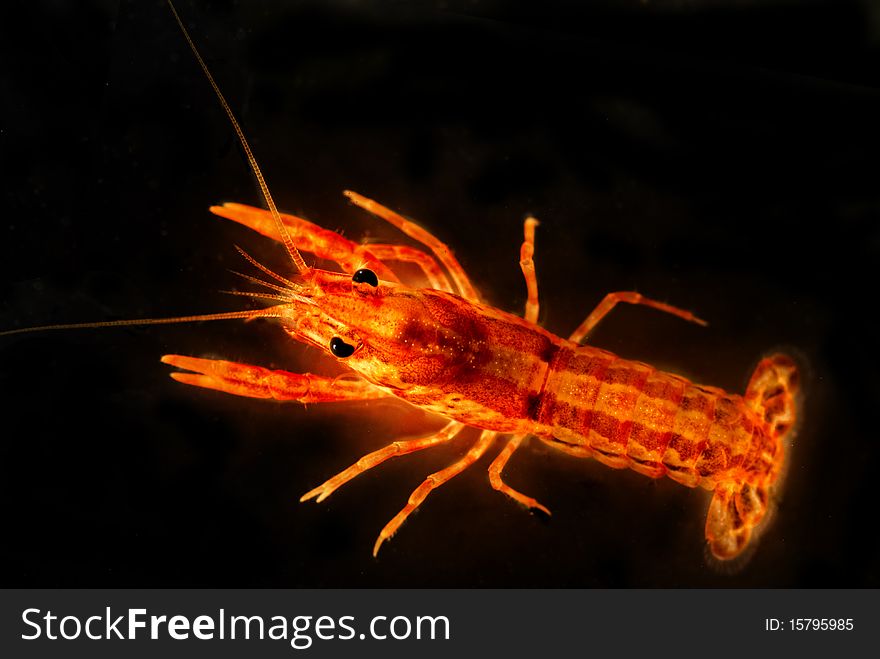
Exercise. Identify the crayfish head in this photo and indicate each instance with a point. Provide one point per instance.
(390, 334)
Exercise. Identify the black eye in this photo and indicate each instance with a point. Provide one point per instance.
(340, 348)
(364, 276)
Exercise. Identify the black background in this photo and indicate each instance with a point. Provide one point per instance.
(717, 155)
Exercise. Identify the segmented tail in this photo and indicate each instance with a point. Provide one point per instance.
(739, 510)
(772, 391)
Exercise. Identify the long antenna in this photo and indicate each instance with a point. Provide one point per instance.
(271, 312)
(295, 256)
